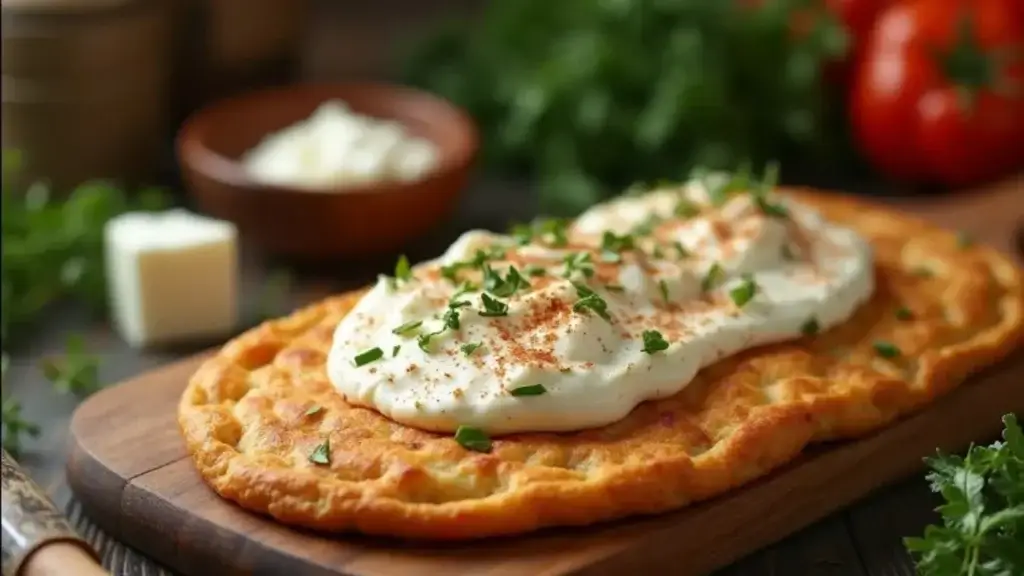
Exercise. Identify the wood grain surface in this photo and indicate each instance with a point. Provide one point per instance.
(129, 468)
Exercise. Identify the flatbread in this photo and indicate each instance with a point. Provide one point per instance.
(247, 420)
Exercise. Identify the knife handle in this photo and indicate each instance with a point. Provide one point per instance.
(36, 539)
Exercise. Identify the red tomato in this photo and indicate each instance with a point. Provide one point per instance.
(858, 17)
(936, 98)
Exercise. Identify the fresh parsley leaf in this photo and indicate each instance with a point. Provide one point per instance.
(473, 439)
(578, 262)
(811, 327)
(653, 342)
(371, 355)
(322, 453)
(663, 288)
(15, 426)
(312, 410)
(982, 517)
(76, 371)
(407, 328)
(589, 300)
(470, 347)
(904, 313)
(534, 390)
(493, 307)
(712, 277)
(744, 292)
(886, 349)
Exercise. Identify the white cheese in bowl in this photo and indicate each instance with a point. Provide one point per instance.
(172, 276)
(336, 147)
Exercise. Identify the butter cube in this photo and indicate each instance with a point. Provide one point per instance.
(172, 276)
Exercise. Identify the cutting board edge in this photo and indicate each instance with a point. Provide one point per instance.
(87, 471)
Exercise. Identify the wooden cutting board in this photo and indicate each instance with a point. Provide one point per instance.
(129, 468)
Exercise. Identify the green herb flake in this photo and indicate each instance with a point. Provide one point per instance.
(394, 351)
(745, 292)
(923, 272)
(473, 439)
(681, 250)
(686, 209)
(470, 347)
(810, 327)
(653, 342)
(589, 300)
(533, 270)
(614, 287)
(371, 355)
(407, 328)
(904, 313)
(712, 277)
(312, 410)
(886, 349)
(578, 262)
(493, 307)
(615, 243)
(403, 271)
(663, 288)
(322, 453)
(534, 390)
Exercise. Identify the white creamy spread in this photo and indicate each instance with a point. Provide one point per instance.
(604, 325)
(335, 147)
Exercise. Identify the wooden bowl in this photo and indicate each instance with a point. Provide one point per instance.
(352, 221)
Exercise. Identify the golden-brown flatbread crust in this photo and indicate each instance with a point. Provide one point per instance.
(243, 414)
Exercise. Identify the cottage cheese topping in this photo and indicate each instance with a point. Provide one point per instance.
(577, 326)
(336, 147)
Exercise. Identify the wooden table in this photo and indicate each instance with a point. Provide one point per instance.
(864, 540)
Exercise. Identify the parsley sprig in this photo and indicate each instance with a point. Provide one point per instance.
(982, 523)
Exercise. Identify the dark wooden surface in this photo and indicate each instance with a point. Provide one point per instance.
(149, 495)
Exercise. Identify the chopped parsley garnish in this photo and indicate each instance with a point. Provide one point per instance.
(654, 342)
(611, 242)
(686, 209)
(423, 340)
(469, 347)
(904, 313)
(451, 317)
(788, 253)
(371, 355)
(403, 271)
(646, 227)
(923, 272)
(773, 209)
(533, 270)
(657, 253)
(473, 439)
(719, 192)
(886, 349)
(811, 327)
(713, 276)
(504, 287)
(589, 300)
(663, 288)
(322, 453)
(614, 287)
(312, 410)
(394, 351)
(492, 306)
(763, 188)
(408, 327)
(578, 262)
(745, 292)
(550, 230)
(534, 390)
(680, 249)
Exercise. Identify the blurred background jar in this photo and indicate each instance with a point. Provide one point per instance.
(96, 88)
